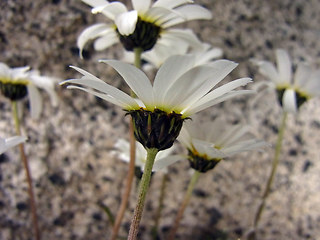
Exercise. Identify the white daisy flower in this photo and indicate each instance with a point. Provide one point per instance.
(210, 142)
(16, 83)
(292, 91)
(162, 161)
(6, 143)
(180, 89)
(144, 26)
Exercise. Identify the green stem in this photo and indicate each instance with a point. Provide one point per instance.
(184, 204)
(272, 174)
(143, 189)
(137, 57)
(28, 173)
(130, 176)
(160, 205)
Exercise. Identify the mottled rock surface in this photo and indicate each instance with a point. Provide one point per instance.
(75, 174)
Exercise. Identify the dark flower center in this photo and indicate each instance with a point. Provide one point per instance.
(144, 36)
(301, 98)
(13, 91)
(201, 163)
(156, 129)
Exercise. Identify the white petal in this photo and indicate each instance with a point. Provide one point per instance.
(46, 83)
(302, 75)
(141, 5)
(35, 101)
(193, 12)
(215, 100)
(168, 73)
(284, 66)
(162, 163)
(135, 78)
(289, 101)
(170, 4)
(95, 3)
(244, 146)
(208, 55)
(93, 82)
(185, 35)
(91, 33)
(126, 22)
(184, 137)
(197, 82)
(268, 70)
(110, 10)
(106, 41)
(7, 143)
(313, 85)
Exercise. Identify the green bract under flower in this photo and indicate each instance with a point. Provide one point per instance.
(144, 26)
(292, 91)
(201, 163)
(180, 89)
(156, 129)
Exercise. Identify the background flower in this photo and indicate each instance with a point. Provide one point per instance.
(210, 142)
(292, 91)
(144, 26)
(16, 83)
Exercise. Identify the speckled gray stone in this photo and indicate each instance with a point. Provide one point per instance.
(69, 147)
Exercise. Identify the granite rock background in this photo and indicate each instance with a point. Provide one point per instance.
(70, 147)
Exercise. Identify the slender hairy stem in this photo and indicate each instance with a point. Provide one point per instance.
(143, 189)
(130, 176)
(184, 204)
(160, 205)
(28, 174)
(271, 176)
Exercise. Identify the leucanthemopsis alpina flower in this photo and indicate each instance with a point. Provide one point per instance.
(295, 90)
(6, 143)
(162, 161)
(180, 89)
(210, 142)
(144, 26)
(16, 83)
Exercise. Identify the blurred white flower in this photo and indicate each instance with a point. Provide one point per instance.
(292, 91)
(144, 26)
(6, 143)
(162, 161)
(210, 142)
(16, 83)
(159, 54)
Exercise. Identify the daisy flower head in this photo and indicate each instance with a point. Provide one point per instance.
(162, 161)
(295, 90)
(16, 83)
(210, 142)
(180, 89)
(6, 143)
(144, 26)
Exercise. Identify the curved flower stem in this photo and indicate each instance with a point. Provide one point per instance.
(130, 176)
(160, 206)
(271, 176)
(143, 189)
(28, 173)
(184, 204)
